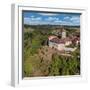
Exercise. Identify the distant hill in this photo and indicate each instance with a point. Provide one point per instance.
(52, 26)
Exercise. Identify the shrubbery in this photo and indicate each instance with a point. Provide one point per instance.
(64, 65)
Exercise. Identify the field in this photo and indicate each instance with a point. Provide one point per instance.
(42, 60)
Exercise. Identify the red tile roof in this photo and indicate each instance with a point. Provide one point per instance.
(57, 40)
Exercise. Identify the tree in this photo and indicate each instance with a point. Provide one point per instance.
(27, 69)
(55, 65)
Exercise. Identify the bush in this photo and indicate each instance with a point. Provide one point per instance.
(27, 69)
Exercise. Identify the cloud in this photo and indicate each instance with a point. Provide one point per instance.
(52, 19)
(28, 20)
(64, 22)
(69, 20)
(67, 17)
(32, 16)
(48, 14)
(58, 21)
(36, 18)
(75, 18)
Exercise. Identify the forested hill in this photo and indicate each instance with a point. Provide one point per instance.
(50, 26)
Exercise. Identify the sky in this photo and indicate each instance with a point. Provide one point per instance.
(43, 18)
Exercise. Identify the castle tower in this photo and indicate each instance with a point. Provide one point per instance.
(63, 33)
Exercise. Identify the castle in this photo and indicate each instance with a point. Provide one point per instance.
(61, 43)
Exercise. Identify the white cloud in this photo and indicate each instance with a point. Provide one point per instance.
(28, 20)
(63, 22)
(36, 18)
(75, 18)
(52, 18)
(32, 16)
(58, 21)
(66, 17)
(48, 14)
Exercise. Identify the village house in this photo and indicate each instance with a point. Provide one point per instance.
(56, 43)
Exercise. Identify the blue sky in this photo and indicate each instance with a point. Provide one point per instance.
(35, 18)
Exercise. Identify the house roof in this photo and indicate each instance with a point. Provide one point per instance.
(51, 37)
(57, 40)
(67, 39)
